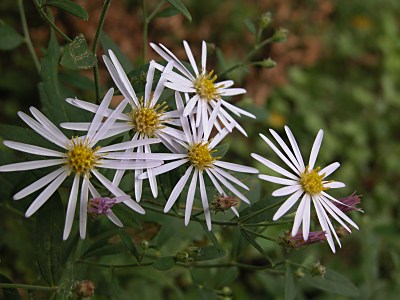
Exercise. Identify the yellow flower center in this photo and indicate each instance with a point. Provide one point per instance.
(146, 119)
(205, 87)
(311, 181)
(80, 157)
(200, 156)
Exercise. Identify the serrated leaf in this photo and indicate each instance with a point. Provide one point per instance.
(290, 284)
(209, 253)
(77, 55)
(70, 7)
(127, 241)
(10, 38)
(107, 43)
(164, 263)
(250, 26)
(181, 8)
(332, 282)
(9, 293)
(249, 237)
(48, 239)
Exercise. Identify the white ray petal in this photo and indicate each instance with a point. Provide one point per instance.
(177, 189)
(41, 130)
(231, 178)
(204, 200)
(233, 92)
(165, 168)
(190, 196)
(288, 204)
(73, 197)
(225, 83)
(128, 164)
(184, 121)
(152, 177)
(329, 223)
(175, 133)
(133, 205)
(287, 151)
(191, 58)
(204, 118)
(274, 166)
(295, 147)
(149, 82)
(306, 217)
(190, 105)
(279, 153)
(337, 211)
(324, 224)
(33, 149)
(299, 215)
(138, 182)
(278, 180)
(30, 165)
(199, 111)
(315, 149)
(79, 126)
(179, 87)
(160, 85)
(287, 190)
(98, 117)
(211, 120)
(203, 56)
(146, 156)
(93, 191)
(48, 125)
(235, 167)
(113, 218)
(237, 109)
(334, 184)
(83, 208)
(46, 194)
(38, 184)
(328, 170)
(128, 145)
(215, 182)
(229, 186)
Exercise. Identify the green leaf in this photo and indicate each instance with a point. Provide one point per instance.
(332, 282)
(70, 7)
(106, 250)
(127, 241)
(181, 8)
(209, 253)
(164, 263)
(52, 97)
(263, 216)
(48, 239)
(250, 26)
(226, 277)
(10, 38)
(168, 12)
(77, 55)
(290, 284)
(107, 43)
(250, 238)
(9, 293)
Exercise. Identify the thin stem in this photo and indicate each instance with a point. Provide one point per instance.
(232, 264)
(268, 223)
(145, 31)
(106, 6)
(27, 37)
(114, 266)
(27, 286)
(259, 234)
(256, 213)
(247, 57)
(50, 21)
(155, 11)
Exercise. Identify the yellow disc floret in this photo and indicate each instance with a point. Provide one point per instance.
(80, 157)
(146, 119)
(200, 156)
(205, 87)
(311, 181)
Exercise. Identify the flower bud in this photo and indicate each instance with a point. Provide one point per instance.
(222, 203)
(265, 20)
(280, 35)
(318, 270)
(84, 289)
(144, 244)
(349, 203)
(295, 242)
(100, 206)
(266, 63)
(299, 273)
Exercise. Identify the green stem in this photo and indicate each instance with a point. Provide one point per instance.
(256, 213)
(106, 6)
(232, 264)
(259, 234)
(247, 57)
(145, 31)
(114, 266)
(268, 223)
(50, 21)
(27, 37)
(155, 11)
(27, 286)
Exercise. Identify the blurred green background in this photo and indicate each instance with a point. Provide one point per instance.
(339, 70)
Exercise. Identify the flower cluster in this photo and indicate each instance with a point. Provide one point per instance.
(190, 134)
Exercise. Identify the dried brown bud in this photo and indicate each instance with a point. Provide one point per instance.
(222, 203)
(84, 289)
(294, 242)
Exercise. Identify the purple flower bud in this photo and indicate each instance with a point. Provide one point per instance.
(101, 206)
(297, 241)
(349, 203)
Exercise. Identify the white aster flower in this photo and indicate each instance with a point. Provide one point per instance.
(307, 183)
(196, 152)
(204, 91)
(146, 118)
(79, 157)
